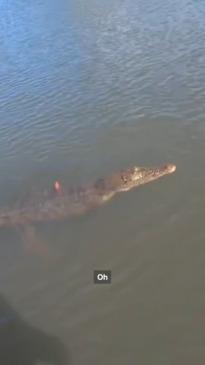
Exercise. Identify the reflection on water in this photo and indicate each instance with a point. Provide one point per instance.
(23, 344)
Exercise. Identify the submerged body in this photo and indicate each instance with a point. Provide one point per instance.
(80, 200)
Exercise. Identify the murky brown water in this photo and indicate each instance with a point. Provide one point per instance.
(87, 89)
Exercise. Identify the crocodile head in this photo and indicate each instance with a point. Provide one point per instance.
(136, 176)
(129, 179)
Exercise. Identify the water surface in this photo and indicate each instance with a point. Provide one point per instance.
(87, 88)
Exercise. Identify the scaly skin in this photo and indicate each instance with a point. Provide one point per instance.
(80, 200)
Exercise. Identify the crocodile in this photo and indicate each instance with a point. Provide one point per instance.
(65, 203)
